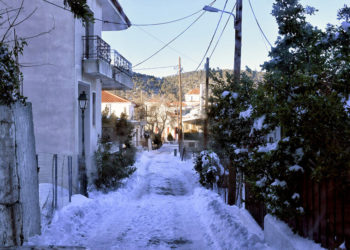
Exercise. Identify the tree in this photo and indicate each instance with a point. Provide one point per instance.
(230, 116)
(306, 92)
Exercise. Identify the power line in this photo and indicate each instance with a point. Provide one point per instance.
(133, 24)
(155, 24)
(177, 51)
(161, 67)
(172, 40)
(212, 38)
(257, 22)
(222, 32)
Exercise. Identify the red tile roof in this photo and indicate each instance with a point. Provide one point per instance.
(109, 97)
(194, 92)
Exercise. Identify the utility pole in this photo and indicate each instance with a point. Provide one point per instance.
(205, 127)
(238, 41)
(237, 74)
(180, 113)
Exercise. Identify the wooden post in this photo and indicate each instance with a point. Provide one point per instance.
(236, 74)
(180, 113)
(205, 127)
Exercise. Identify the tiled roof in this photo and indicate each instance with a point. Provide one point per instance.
(108, 97)
(194, 92)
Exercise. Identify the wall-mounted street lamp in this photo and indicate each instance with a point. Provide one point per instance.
(83, 101)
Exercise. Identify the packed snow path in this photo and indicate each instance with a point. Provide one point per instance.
(161, 207)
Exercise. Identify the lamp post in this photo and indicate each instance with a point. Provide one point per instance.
(83, 101)
(212, 9)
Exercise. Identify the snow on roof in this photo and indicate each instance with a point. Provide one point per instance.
(109, 97)
(194, 92)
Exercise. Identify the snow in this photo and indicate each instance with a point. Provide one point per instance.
(162, 206)
(225, 93)
(269, 147)
(280, 236)
(247, 113)
(296, 168)
(345, 25)
(295, 196)
(258, 124)
(278, 183)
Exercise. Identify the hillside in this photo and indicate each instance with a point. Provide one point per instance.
(169, 86)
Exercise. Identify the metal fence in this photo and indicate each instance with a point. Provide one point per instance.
(58, 179)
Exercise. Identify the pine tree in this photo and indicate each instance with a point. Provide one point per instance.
(305, 91)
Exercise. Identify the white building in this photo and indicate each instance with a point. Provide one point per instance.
(117, 105)
(67, 58)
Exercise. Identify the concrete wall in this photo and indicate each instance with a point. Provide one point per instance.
(19, 188)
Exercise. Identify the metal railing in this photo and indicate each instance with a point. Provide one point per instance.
(96, 48)
(121, 63)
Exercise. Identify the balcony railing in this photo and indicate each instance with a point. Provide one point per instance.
(121, 63)
(96, 48)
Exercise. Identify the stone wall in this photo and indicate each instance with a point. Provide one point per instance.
(19, 193)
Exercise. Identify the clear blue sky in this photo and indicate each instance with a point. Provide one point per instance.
(136, 45)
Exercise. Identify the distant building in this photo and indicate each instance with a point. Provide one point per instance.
(113, 104)
(117, 105)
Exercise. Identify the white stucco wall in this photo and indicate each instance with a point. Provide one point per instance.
(56, 78)
(120, 107)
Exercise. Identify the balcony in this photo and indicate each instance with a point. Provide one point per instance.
(99, 61)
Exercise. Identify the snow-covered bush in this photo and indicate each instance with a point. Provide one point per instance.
(209, 168)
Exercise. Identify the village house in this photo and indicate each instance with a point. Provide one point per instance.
(113, 104)
(64, 59)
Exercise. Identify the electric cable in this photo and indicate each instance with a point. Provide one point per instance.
(153, 24)
(133, 24)
(172, 40)
(222, 32)
(212, 38)
(257, 22)
(175, 50)
(161, 67)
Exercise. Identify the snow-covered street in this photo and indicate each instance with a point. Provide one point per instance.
(161, 206)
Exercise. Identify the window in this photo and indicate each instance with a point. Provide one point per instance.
(94, 109)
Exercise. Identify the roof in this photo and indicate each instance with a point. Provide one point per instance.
(120, 9)
(109, 97)
(194, 92)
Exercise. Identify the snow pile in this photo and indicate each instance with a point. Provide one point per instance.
(232, 227)
(247, 113)
(279, 236)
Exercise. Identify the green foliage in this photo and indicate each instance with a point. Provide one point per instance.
(305, 91)
(10, 76)
(157, 140)
(209, 168)
(170, 137)
(112, 167)
(80, 9)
